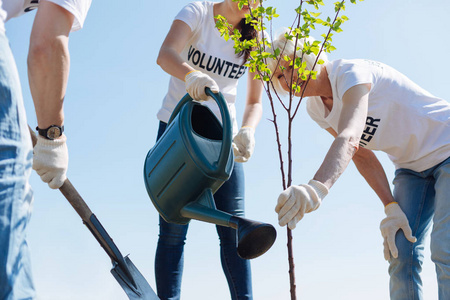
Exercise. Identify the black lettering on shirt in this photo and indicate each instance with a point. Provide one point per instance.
(30, 5)
(196, 57)
(208, 68)
(369, 131)
(219, 66)
(201, 65)
(240, 72)
(234, 70)
(190, 51)
(214, 64)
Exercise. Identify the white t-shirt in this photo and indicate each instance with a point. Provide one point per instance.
(208, 52)
(15, 8)
(403, 120)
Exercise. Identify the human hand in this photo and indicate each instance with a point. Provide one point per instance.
(50, 160)
(196, 82)
(244, 144)
(297, 200)
(394, 221)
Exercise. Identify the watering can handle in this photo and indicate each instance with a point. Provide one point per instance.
(226, 122)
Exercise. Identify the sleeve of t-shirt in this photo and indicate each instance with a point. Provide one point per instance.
(78, 8)
(350, 75)
(316, 112)
(190, 14)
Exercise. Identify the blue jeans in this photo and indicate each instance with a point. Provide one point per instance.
(423, 197)
(15, 193)
(169, 253)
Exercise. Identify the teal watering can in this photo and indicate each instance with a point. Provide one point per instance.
(189, 163)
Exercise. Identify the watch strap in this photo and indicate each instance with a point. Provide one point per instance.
(44, 132)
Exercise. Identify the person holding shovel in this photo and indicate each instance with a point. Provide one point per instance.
(367, 105)
(48, 69)
(196, 57)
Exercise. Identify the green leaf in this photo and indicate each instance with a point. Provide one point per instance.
(276, 52)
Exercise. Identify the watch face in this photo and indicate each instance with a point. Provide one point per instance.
(54, 132)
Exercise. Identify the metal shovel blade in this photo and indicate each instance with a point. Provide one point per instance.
(140, 290)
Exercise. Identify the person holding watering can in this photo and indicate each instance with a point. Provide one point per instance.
(196, 57)
(367, 105)
(48, 71)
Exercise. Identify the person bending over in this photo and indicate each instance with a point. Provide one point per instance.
(367, 105)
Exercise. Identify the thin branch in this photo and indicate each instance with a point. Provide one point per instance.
(280, 152)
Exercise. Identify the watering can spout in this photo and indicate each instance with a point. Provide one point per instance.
(204, 209)
(254, 238)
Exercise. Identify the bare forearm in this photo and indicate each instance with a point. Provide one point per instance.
(336, 161)
(350, 126)
(252, 115)
(48, 73)
(253, 108)
(169, 58)
(371, 169)
(172, 63)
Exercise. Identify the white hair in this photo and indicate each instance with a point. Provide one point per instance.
(287, 47)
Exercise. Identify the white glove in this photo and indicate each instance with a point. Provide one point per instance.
(244, 144)
(297, 200)
(50, 160)
(196, 82)
(394, 221)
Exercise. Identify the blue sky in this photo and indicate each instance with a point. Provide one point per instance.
(115, 89)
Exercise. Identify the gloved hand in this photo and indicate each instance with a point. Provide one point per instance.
(196, 82)
(50, 160)
(244, 144)
(394, 221)
(297, 200)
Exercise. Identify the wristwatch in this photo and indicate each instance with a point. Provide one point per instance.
(52, 132)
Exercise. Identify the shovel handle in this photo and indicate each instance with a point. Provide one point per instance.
(70, 193)
(83, 210)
